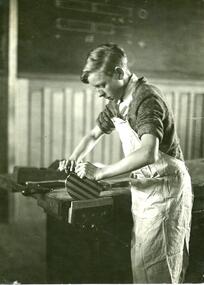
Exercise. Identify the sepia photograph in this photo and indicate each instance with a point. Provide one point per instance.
(101, 141)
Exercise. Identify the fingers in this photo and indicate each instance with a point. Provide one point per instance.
(67, 165)
(82, 169)
(70, 166)
(85, 169)
(61, 166)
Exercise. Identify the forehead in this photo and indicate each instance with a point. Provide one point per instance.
(98, 77)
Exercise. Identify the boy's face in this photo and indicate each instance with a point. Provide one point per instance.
(109, 87)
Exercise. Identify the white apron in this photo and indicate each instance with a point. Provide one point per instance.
(161, 209)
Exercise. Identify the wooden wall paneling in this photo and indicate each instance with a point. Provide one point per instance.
(21, 123)
(84, 110)
(12, 79)
(64, 121)
(190, 126)
(88, 114)
(42, 129)
(72, 120)
(57, 134)
(178, 103)
(106, 154)
(99, 106)
(47, 139)
(197, 125)
(35, 126)
(21, 146)
(182, 121)
(201, 124)
(110, 147)
(60, 113)
(79, 116)
(68, 122)
(116, 147)
(74, 123)
(176, 108)
(105, 143)
(177, 93)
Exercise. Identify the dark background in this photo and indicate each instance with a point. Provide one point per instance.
(160, 36)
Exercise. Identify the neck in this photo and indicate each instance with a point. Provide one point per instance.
(127, 77)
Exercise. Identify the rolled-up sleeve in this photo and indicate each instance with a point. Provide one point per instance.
(150, 116)
(104, 121)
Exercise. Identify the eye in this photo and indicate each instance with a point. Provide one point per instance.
(101, 85)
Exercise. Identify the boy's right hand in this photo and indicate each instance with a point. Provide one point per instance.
(67, 165)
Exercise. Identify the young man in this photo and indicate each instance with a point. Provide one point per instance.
(160, 184)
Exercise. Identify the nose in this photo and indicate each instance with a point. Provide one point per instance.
(101, 93)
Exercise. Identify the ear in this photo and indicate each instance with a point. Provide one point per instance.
(119, 73)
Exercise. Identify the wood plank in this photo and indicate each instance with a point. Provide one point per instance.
(68, 124)
(35, 128)
(57, 124)
(190, 126)
(21, 123)
(12, 75)
(47, 126)
(99, 105)
(197, 130)
(182, 121)
(89, 118)
(78, 117)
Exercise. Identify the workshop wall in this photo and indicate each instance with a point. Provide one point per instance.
(51, 118)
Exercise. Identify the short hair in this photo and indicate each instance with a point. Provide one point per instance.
(105, 57)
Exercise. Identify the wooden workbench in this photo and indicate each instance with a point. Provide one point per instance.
(58, 202)
(93, 245)
(95, 250)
